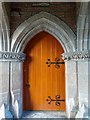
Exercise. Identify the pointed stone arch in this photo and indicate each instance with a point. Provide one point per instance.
(46, 22)
(43, 22)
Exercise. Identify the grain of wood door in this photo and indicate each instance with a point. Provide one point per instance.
(39, 80)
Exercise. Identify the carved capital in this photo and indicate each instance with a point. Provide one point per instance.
(78, 55)
(12, 56)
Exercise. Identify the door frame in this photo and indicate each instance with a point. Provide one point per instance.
(63, 33)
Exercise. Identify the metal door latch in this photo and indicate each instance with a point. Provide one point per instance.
(27, 85)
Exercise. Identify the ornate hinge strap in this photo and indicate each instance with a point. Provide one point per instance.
(57, 100)
(12, 56)
(56, 62)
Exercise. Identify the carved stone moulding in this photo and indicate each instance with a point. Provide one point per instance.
(11, 56)
(78, 55)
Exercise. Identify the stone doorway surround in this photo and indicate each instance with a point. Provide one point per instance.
(57, 28)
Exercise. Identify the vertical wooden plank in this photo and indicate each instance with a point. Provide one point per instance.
(44, 82)
(57, 75)
(60, 78)
(53, 72)
(49, 71)
(47, 42)
(38, 75)
(41, 97)
(31, 78)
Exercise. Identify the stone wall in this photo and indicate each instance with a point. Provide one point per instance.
(22, 11)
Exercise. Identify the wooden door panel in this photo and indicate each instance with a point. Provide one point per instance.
(44, 81)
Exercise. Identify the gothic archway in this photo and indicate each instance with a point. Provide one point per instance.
(58, 29)
(43, 22)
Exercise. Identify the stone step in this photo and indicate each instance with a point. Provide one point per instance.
(44, 114)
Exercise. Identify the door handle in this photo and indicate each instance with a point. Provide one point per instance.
(27, 85)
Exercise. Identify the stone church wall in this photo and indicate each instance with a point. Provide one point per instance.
(22, 11)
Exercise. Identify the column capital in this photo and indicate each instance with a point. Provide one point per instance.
(78, 55)
(11, 56)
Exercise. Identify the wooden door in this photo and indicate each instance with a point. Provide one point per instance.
(39, 80)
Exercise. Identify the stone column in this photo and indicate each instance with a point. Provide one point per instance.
(17, 83)
(89, 60)
(4, 79)
(83, 56)
(71, 85)
(88, 88)
(77, 76)
(10, 75)
(83, 75)
(71, 88)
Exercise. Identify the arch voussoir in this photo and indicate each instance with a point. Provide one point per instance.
(43, 22)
